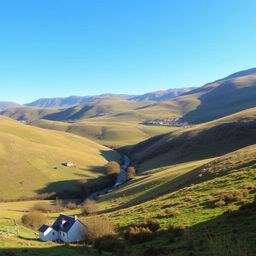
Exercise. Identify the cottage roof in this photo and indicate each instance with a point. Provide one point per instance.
(43, 228)
(63, 223)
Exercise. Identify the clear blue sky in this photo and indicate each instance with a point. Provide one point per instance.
(54, 48)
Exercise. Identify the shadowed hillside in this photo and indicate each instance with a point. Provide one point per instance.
(28, 114)
(224, 97)
(198, 142)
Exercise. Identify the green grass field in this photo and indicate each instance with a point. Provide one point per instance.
(106, 131)
(195, 207)
(32, 158)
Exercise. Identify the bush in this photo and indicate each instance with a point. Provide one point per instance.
(231, 208)
(112, 168)
(139, 234)
(172, 212)
(234, 195)
(33, 219)
(99, 226)
(131, 173)
(151, 224)
(175, 230)
(248, 185)
(71, 205)
(107, 243)
(89, 207)
(220, 203)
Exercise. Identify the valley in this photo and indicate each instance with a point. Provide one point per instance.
(196, 183)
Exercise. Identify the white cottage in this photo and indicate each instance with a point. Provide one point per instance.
(66, 229)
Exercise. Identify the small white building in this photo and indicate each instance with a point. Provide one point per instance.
(68, 164)
(66, 229)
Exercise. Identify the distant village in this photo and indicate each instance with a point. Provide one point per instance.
(172, 121)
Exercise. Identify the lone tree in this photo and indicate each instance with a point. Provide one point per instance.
(112, 169)
(131, 173)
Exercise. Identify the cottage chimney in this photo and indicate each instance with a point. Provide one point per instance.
(75, 217)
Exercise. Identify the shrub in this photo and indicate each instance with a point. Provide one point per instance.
(99, 226)
(107, 243)
(172, 212)
(33, 219)
(220, 203)
(138, 234)
(175, 230)
(151, 224)
(131, 173)
(230, 208)
(89, 207)
(112, 167)
(248, 185)
(71, 205)
(234, 195)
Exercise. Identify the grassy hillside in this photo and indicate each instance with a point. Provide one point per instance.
(107, 132)
(28, 114)
(221, 98)
(216, 211)
(151, 184)
(31, 159)
(197, 142)
(96, 108)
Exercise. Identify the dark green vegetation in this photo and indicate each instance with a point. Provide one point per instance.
(192, 219)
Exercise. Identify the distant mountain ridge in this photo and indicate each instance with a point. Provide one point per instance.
(163, 94)
(7, 104)
(72, 100)
(76, 100)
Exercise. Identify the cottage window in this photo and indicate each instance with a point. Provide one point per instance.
(53, 233)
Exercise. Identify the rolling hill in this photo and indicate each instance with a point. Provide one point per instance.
(31, 159)
(221, 98)
(197, 142)
(77, 100)
(7, 104)
(162, 95)
(112, 133)
(97, 108)
(72, 100)
(28, 114)
(214, 212)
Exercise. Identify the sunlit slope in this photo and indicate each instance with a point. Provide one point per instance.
(28, 114)
(229, 179)
(101, 107)
(152, 184)
(105, 131)
(31, 159)
(198, 142)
